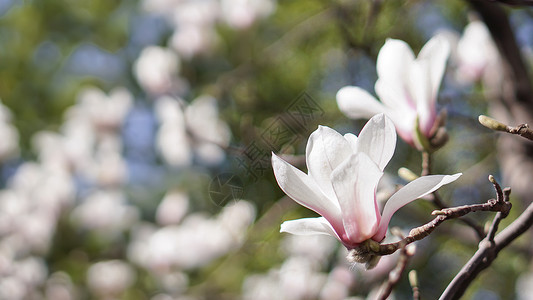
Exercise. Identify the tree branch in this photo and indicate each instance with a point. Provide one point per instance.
(522, 130)
(370, 251)
(515, 2)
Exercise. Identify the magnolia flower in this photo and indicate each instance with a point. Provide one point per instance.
(156, 69)
(477, 55)
(407, 87)
(341, 184)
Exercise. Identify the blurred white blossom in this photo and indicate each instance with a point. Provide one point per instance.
(194, 22)
(105, 112)
(297, 278)
(338, 283)
(477, 55)
(108, 279)
(156, 69)
(59, 286)
(193, 243)
(241, 14)
(106, 212)
(172, 139)
(187, 130)
(172, 208)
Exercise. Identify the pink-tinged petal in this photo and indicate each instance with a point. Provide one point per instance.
(309, 226)
(394, 58)
(412, 191)
(378, 140)
(357, 103)
(352, 140)
(326, 149)
(355, 182)
(304, 190)
(436, 51)
(395, 94)
(420, 88)
(393, 66)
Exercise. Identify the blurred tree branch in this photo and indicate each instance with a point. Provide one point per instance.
(515, 2)
(511, 103)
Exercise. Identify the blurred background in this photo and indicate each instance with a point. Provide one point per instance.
(135, 143)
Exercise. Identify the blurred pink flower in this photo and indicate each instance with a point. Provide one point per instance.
(407, 87)
(477, 55)
(341, 184)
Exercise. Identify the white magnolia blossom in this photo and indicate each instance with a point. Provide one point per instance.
(106, 112)
(106, 212)
(189, 40)
(193, 243)
(194, 22)
(337, 286)
(172, 208)
(341, 183)
(89, 142)
(477, 55)
(59, 286)
(407, 87)
(156, 69)
(191, 130)
(298, 278)
(110, 278)
(107, 166)
(241, 14)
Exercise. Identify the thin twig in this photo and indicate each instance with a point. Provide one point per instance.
(437, 201)
(369, 251)
(418, 233)
(426, 163)
(522, 130)
(488, 250)
(515, 2)
(413, 281)
(396, 274)
(480, 232)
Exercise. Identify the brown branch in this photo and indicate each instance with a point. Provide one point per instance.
(396, 274)
(480, 232)
(511, 101)
(426, 164)
(489, 248)
(515, 2)
(369, 251)
(437, 201)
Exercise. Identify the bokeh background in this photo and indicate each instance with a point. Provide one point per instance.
(135, 142)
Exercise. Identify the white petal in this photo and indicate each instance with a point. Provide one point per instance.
(352, 140)
(401, 108)
(394, 61)
(436, 51)
(304, 190)
(420, 89)
(326, 149)
(308, 226)
(412, 191)
(378, 140)
(355, 183)
(357, 103)
(394, 92)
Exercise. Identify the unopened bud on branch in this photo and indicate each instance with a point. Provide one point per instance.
(492, 124)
